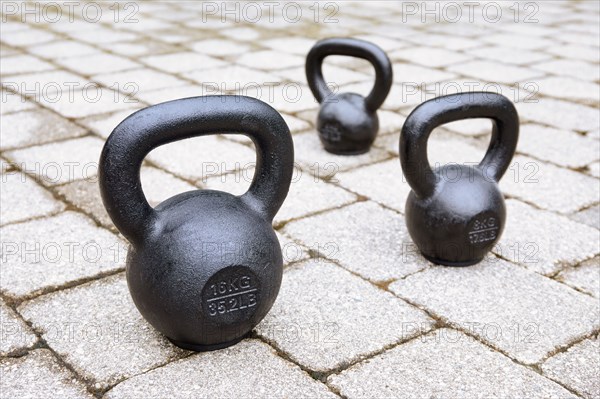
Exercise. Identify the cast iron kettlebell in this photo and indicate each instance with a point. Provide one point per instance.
(347, 122)
(204, 266)
(455, 214)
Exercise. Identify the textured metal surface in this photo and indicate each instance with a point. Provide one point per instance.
(456, 213)
(347, 122)
(204, 266)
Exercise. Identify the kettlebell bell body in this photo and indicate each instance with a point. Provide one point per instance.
(455, 214)
(347, 122)
(204, 267)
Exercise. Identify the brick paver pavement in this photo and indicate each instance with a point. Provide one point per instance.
(360, 312)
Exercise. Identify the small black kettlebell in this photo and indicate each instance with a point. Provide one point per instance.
(347, 122)
(456, 213)
(204, 266)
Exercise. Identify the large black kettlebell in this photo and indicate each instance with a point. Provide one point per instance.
(204, 267)
(347, 122)
(456, 213)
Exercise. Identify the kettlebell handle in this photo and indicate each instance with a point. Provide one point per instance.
(438, 111)
(141, 132)
(354, 48)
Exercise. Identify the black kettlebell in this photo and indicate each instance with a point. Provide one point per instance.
(456, 213)
(204, 266)
(347, 122)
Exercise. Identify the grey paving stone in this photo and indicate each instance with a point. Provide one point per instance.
(594, 169)
(231, 77)
(23, 190)
(203, 157)
(544, 241)
(589, 216)
(28, 37)
(388, 188)
(98, 331)
(574, 52)
(100, 35)
(48, 86)
(578, 368)
(323, 328)
(16, 335)
(386, 43)
(223, 375)
(269, 60)
(175, 93)
(444, 363)
(335, 76)
(521, 313)
(23, 63)
(518, 41)
(35, 127)
(384, 251)
(84, 103)
(182, 62)
(142, 80)
(496, 72)
(309, 152)
(418, 74)
(544, 184)
(291, 44)
(60, 162)
(570, 89)
(585, 277)
(62, 49)
(307, 194)
(509, 55)
(13, 102)
(220, 47)
(549, 144)
(443, 41)
(572, 68)
(51, 252)
(39, 375)
(97, 63)
(429, 57)
(103, 125)
(560, 114)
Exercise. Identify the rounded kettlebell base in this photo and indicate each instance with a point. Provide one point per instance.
(206, 348)
(347, 152)
(451, 263)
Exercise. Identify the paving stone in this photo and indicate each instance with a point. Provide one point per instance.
(91, 100)
(518, 41)
(182, 62)
(544, 184)
(97, 64)
(48, 86)
(98, 331)
(495, 72)
(28, 37)
(199, 158)
(16, 335)
(13, 102)
(560, 114)
(39, 375)
(232, 77)
(269, 60)
(142, 79)
(294, 124)
(309, 152)
(335, 76)
(389, 188)
(509, 55)
(23, 63)
(589, 216)
(290, 98)
(307, 194)
(444, 363)
(443, 41)
(544, 241)
(100, 35)
(428, 56)
(323, 328)
(242, 34)
(35, 127)
(103, 125)
(377, 257)
(248, 369)
(572, 68)
(594, 169)
(62, 49)
(291, 250)
(220, 47)
(549, 144)
(527, 317)
(571, 89)
(23, 190)
(48, 253)
(585, 277)
(578, 368)
(573, 52)
(60, 162)
(418, 75)
(85, 195)
(290, 44)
